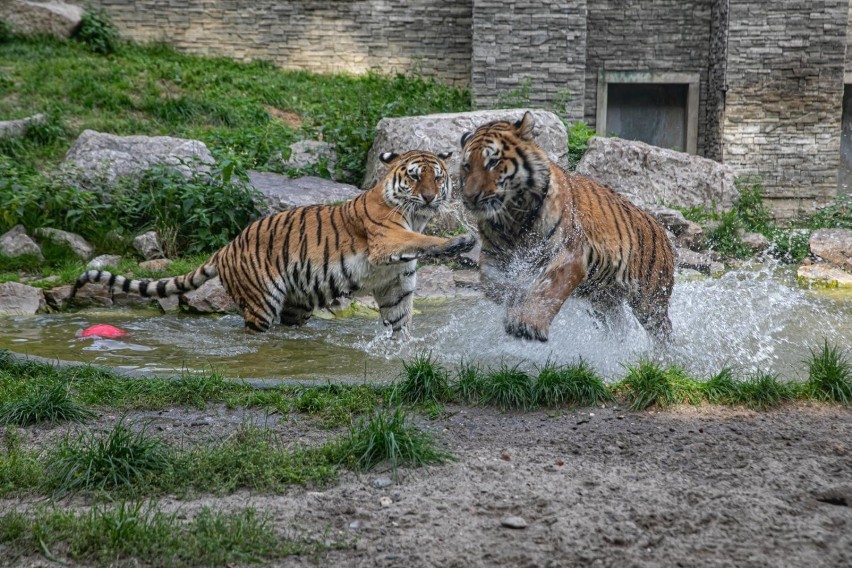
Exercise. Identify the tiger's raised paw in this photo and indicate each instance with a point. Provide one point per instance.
(458, 245)
(524, 330)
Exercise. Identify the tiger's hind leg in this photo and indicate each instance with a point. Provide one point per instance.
(652, 311)
(605, 306)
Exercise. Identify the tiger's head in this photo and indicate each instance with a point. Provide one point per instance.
(500, 161)
(417, 183)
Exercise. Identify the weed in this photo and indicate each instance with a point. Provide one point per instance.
(388, 437)
(829, 375)
(469, 383)
(508, 388)
(19, 469)
(98, 31)
(579, 134)
(749, 208)
(761, 391)
(576, 385)
(648, 384)
(722, 388)
(424, 382)
(43, 402)
(121, 460)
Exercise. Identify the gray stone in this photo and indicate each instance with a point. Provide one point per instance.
(54, 18)
(691, 237)
(650, 175)
(822, 275)
(381, 482)
(131, 300)
(13, 128)
(20, 300)
(107, 157)
(103, 261)
(16, 242)
(308, 153)
(755, 241)
(282, 193)
(833, 246)
(467, 279)
(148, 245)
(671, 219)
(76, 243)
(210, 298)
(701, 262)
(435, 281)
(57, 298)
(89, 295)
(514, 522)
(156, 265)
(442, 133)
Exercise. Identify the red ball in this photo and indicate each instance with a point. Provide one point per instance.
(103, 330)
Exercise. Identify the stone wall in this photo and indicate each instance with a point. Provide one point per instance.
(430, 37)
(785, 65)
(534, 50)
(716, 68)
(648, 35)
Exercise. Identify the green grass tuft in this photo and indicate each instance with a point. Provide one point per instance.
(122, 459)
(508, 388)
(647, 384)
(388, 437)
(761, 391)
(722, 388)
(574, 385)
(20, 470)
(829, 375)
(469, 382)
(43, 402)
(424, 382)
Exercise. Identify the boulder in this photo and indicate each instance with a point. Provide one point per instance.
(20, 300)
(13, 128)
(691, 237)
(103, 261)
(148, 245)
(833, 246)
(701, 262)
(309, 153)
(76, 243)
(91, 294)
(755, 241)
(435, 281)
(107, 157)
(16, 242)
(467, 279)
(822, 275)
(671, 219)
(650, 175)
(54, 18)
(210, 298)
(282, 193)
(155, 265)
(443, 132)
(57, 298)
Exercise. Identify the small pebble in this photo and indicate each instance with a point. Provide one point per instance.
(382, 482)
(356, 525)
(514, 522)
(385, 501)
(504, 455)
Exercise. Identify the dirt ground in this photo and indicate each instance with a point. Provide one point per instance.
(595, 487)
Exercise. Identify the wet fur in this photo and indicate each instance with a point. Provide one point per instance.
(577, 236)
(283, 266)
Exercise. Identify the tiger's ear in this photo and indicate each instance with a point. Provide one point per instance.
(525, 127)
(388, 157)
(444, 155)
(465, 137)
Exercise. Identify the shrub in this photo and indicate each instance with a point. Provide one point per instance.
(98, 31)
(579, 134)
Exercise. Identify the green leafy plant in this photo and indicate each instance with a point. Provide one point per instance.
(761, 391)
(829, 375)
(98, 31)
(579, 134)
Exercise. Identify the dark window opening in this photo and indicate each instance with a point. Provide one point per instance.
(844, 174)
(652, 113)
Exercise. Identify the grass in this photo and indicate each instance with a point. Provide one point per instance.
(570, 385)
(20, 470)
(389, 437)
(469, 383)
(508, 388)
(131, 532)
(648, 384)
(762, 391)
(43, 402)
(425, 381)
(829, 375)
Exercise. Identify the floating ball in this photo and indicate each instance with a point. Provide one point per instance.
(103, 330)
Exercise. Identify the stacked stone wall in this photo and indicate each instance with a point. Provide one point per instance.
(668, 36)
(784, 77)
(424, 36)
(716, 79)
(531, 53)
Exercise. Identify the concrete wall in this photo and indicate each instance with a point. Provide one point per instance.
(784, 76)
(660, 36)
(430, 37)
(538, 47)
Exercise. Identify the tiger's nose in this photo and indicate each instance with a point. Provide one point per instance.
(428, 198)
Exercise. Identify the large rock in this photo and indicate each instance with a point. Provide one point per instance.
(210, 298)
(833, 245)
(107, 157)
(51, 18)
(148, 245)
(822, 275)
(16, 242)
(20, 300)
(76, 243)
(104, 261)
(309, 153)
(435, 281)
(650, 175)
(282, 193)
(443, 132)
(12, 128)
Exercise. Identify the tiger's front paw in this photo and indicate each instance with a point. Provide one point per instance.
(525, 328)
(460, 244)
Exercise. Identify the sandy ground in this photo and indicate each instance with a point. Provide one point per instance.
(596, 487)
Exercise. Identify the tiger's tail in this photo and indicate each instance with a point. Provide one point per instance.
(148, 288)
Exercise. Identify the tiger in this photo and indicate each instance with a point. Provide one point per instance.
(570, 233)
(282, 267)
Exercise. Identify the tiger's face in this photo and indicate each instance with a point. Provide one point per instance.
(417, 183)
(499, 160)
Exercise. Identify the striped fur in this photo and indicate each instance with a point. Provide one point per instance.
(569, 233)
(283, 266)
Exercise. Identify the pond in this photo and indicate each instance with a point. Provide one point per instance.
(753, 318)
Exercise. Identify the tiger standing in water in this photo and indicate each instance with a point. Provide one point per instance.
(571, 234)
(283, 266)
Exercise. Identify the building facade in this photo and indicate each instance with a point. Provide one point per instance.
(757, 84)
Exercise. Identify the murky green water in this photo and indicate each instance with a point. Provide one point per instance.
(750, 319)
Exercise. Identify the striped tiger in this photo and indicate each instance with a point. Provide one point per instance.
(571, 234)
(283, 266)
